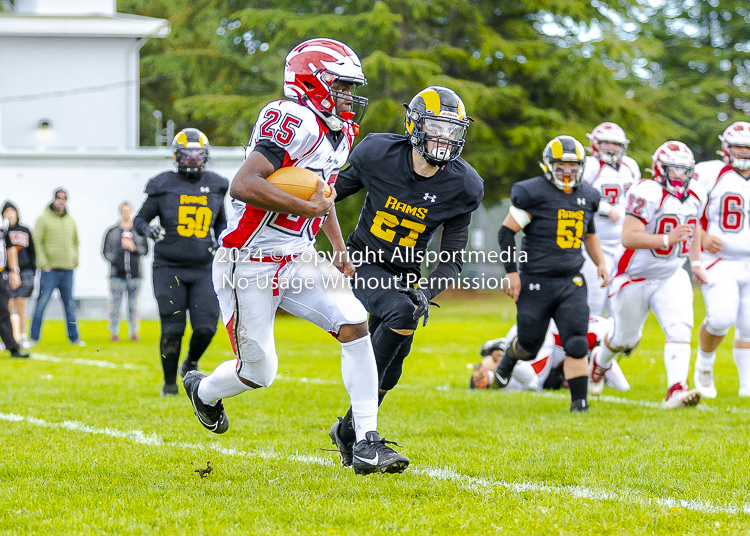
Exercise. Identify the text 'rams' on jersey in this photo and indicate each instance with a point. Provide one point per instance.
(559, 222)
(191, 212)
(611, 183)
(660, 212)
(401, 213)
(727, 209)
(288, 134)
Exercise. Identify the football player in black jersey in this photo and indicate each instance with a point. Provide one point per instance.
(415, 184)
(556, 213)
(189, 203)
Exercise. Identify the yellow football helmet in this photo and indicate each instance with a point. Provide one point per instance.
(190, 149)
(563, 149)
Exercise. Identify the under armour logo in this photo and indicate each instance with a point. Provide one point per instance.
(534, 286)
(205, 189)
(581, 200)
(430, 198)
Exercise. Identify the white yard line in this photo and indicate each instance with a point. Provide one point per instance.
(87, 362)
(633, 498)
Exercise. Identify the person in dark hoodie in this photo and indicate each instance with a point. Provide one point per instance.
(20, 236)
(123, 248)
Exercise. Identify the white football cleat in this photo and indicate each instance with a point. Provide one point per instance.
(615, 378)
(678, 396)
(596, 374)
(704, 382)
(744, 393)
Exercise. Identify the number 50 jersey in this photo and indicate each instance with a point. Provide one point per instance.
(287, 134)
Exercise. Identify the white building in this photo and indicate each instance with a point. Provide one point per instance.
(69, 106)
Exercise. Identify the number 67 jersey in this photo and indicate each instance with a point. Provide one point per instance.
(287, 134)
(660, 212)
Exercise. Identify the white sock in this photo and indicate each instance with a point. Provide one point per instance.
(742, 360)
(677, 362)
(222, 383)
(705, 360)
(360, 374)
(606, 356)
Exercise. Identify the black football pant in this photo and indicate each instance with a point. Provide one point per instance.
(6, 329)
(180, 289)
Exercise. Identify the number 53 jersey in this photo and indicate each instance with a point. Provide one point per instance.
(559, 222)
(660, 212)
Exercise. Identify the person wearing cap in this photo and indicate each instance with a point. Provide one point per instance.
(21, 238)
(56, 238)
(9, 279)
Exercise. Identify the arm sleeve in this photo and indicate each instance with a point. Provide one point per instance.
(149, 210)
(273, 153)
(40, 234)
(221, 221)
(454, 239)
(506, 238)
(348, 183)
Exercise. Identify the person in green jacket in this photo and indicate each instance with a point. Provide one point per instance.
(56, 238)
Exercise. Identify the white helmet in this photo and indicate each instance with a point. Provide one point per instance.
(736, 135)
(612, 133)
(671, 157)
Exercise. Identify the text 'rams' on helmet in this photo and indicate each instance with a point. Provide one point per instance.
(563, 149)
(311, 71)
(673, 165)
(736, 135)
(436, 124)
(612, 133)
(190, 149)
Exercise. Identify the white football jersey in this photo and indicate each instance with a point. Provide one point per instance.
(296, 129)
(612, 184)
(726, 212)
(660, 212)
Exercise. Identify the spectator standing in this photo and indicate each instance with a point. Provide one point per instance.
(20, 236)
(9, 278)
(123, 248)
(56, 238)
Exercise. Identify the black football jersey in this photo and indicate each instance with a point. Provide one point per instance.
(191, 212)
(553, 239)
(402, 211)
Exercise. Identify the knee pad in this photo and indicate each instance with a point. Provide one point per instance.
(678, 332)
(401, 316)
(172, 328)
(719, 325)
(576, 347)
(519, 352)
(255, 372)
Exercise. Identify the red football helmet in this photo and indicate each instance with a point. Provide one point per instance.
(612, 133)
(673, 168)
(736, 135)
(310, 72)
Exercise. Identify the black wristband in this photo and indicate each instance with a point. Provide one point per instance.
(507, 240)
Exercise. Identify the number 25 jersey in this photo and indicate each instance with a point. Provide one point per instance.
(288, 134)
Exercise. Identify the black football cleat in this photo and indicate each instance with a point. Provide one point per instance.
(186, 366)
(345, 449)
(372, 455)
(213, 418)
(504, 369)
(579, 406)
(19, 353)
(170, 389)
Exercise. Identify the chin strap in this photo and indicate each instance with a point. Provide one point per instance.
(332, 122)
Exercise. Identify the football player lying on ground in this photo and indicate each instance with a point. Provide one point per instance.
(545, 370)
(271, 233)
(415, 184)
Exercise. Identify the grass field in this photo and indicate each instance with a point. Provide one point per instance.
(88, 447)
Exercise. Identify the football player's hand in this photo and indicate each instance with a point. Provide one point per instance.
(699, 275)
(157, 232)
(614, 215)
(603, 274)
(342, 263)
(319, 204)
(15, 280)
(421, 303)
(679, 234)
(712, 244)
(515, 285)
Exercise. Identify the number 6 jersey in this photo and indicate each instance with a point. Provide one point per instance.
(660, 212)
(287, 134)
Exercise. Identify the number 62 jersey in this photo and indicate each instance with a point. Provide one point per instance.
(660, 212)
(287, 134)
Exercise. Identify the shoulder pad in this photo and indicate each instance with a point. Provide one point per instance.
(292, 126)
(158, 185)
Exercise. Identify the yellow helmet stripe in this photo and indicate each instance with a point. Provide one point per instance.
(431, 100)
(557, 149)
(580, 153)
(182, 139)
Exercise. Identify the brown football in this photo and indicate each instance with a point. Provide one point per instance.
(299, 182)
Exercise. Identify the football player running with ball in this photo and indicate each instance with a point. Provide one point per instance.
(272, 232)
(726, 258)
(190, 206)
(658, 234)
(556, 213)
(611, 172)
(415, 183)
